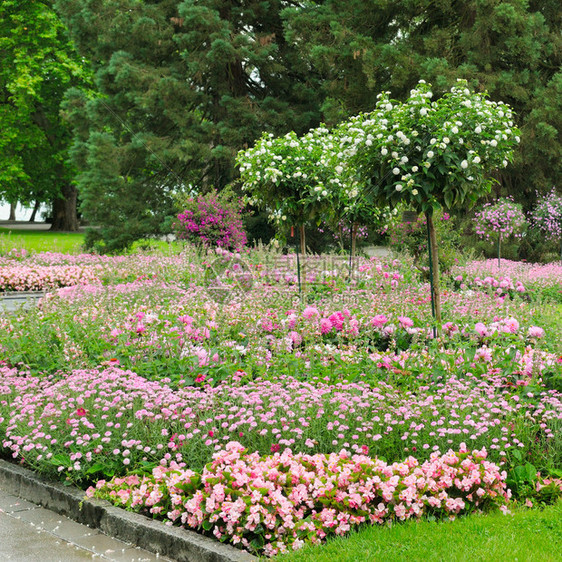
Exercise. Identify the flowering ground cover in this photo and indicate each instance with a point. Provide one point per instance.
(343, 385)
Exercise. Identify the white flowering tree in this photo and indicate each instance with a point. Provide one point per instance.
(428, 154)
(288, 177)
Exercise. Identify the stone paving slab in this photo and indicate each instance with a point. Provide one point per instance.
(29, 533)
(105, 521)
(14, 301)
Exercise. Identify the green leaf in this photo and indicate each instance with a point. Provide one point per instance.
(97, 467)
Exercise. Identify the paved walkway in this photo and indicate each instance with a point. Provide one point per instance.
(14, 301)
(29, 533)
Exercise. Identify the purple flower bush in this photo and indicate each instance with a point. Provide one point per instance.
(547, 215)
(212, 220)
(502, 219)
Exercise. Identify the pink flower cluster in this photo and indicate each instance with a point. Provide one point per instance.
(500, 284)
(280, 502)
(485, 273)
(38, 278)
(213, 220)
(503, 218)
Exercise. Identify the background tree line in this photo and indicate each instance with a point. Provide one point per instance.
(125, 102)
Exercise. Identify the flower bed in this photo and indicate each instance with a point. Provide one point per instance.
(279, 502)
(40, 278)
(89, 424)
(138, 370)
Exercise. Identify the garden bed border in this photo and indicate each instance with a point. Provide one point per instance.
(181, 545)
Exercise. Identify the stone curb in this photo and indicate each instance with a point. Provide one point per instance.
(6, 295)
(178, 544)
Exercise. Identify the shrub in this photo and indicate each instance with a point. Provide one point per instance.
(412, 238)
(213, 219)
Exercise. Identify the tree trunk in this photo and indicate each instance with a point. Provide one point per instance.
(354, 229)
(12, 216)
(65, 217)
(303, 267)
(434, 270)
(34, 212)
(303, 239)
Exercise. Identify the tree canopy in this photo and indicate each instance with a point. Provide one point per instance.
(37, 66)
(180, 86)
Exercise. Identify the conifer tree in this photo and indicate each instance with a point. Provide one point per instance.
(182, 86)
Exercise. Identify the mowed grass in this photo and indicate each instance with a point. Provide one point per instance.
(40, 241)
(526, 535)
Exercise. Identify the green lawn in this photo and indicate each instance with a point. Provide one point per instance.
(527, 535)
(40, 241)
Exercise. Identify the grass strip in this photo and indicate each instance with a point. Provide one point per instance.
(526, 535)
(41, 241)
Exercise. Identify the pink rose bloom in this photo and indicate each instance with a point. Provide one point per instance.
(379, 320)
(295, 337)
(481, 329)
(325, 326)
(337, 319)
(310, 312)
(449, 328)
(535, 332)
(291, 320)
(405, 321)
(512, 324)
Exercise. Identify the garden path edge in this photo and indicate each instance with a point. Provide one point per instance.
(181, 545)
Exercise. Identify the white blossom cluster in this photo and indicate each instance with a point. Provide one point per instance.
(420, 152)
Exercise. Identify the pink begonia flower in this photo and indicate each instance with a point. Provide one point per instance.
(535, 332)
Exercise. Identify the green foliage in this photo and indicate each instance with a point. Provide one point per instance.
(38, 64)
(182, 86)
(411, 237)
(428, 154)
(512, 49)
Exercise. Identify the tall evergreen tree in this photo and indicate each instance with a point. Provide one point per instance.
(182, 87)
(37, 65)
